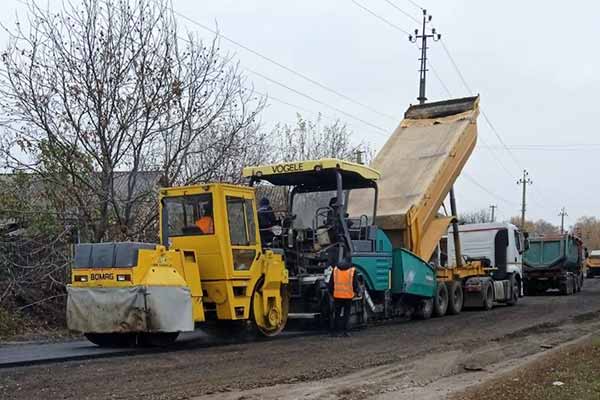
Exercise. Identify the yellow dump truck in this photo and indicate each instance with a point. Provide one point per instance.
(208, 266)
(592, 264)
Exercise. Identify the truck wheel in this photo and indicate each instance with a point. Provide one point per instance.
(158, 339)
(531, 289)
(112, 339)
(440, 304)
(455, 298)
(515, 291)
(488, 297)
(423, 309)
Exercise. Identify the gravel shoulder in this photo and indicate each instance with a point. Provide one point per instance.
(387, 361)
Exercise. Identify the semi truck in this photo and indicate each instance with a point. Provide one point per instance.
(210, 267)
(502, 243)
(554, 262)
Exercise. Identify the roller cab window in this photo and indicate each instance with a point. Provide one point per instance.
(189, 215)
(242, 232)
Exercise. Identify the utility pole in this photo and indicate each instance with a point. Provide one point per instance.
(423, 70)
(359, 156)
(524, 181)
(493, 208)
(562, 215)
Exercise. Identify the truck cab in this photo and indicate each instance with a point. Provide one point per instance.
(503, 244)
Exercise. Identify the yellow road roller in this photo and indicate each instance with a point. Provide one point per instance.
(208, 269)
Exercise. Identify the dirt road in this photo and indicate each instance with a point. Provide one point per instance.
(425, 359)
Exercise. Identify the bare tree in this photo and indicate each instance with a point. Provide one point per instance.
(314, 140)
(588, 228)
(94, 95)
(475, 217)
(539, 227)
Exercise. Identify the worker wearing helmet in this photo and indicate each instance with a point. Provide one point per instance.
(206, 223)
(343, 286)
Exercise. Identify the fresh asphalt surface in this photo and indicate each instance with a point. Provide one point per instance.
(15, 354)
(198, 367)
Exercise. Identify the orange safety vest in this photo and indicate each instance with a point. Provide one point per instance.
(342, 283)
(206, 225)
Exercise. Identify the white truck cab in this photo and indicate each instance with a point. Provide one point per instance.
(500, 242)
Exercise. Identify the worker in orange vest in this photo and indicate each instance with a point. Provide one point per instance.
(206, 223)
(343, 286)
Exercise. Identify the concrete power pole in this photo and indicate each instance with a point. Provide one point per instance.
(524, 181)
(423, 69)
(562, 215)
(493, 208)
(359, 156)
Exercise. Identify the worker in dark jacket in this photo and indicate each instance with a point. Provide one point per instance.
(266, 220)
(343, 286)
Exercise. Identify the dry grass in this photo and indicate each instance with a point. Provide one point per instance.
(577, 367)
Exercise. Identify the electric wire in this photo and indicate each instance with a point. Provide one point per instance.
(297, 107)
(415, 4)
(467, 176)
(402, 11)
(379, 17)
(447, 90)
(383, 131)
(439, 79)
(488, 120)
(284, 67)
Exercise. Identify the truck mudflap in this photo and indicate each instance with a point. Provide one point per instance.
(129, 309)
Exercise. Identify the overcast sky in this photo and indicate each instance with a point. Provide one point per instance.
(532, 62)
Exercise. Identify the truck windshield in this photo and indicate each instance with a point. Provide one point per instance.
(306, 206)
(311, 208)
(189, 215)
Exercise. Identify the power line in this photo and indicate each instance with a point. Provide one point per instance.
(415, 4)
(379, 17)
(297, 107)
(485, 116)
(383, 130)
(455, 65)
(547, 149)
(470, 91)
(282, 66)
(402, 11)
(433, 70)
(467, 176)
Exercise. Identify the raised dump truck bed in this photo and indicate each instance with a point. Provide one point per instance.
(419, 164)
